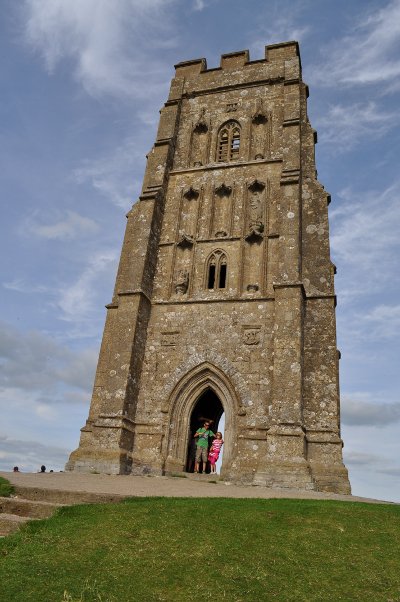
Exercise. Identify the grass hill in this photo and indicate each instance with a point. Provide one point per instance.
(184, 549)
(6, 489)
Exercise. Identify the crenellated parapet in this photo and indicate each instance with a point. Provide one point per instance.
(284, 55)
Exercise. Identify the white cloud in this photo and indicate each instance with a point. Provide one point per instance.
(30, 455)
(281, 22)
(365, 238)
(112, 174)
(116, 50)
(361, 458)
(42, 367)
(67, 228)
(199, 5)
(77, 300)
(21, 286)
(44, 387)
(369, 54)
(362, 412)
(382, 321)
(345, 126)
(371, 453)
(45, 412)
(393, 472)
(78, 371)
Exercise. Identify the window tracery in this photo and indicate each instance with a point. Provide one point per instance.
(217, 267)
(228, 142)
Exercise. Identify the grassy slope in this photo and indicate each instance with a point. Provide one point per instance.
(149, 549)
(6, 489)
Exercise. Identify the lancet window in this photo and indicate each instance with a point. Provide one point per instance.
(217, 271)
(228, 142)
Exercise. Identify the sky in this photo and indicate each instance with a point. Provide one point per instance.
(82, 83)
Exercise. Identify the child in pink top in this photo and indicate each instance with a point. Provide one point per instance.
(215, 451)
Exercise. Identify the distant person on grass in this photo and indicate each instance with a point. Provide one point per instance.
(202, 435)
(215, 450)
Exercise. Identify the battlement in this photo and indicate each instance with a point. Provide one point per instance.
(281, 62)
(282, 51)
(193, 67)
(274, 53)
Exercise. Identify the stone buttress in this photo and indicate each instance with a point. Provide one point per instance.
(224, 298)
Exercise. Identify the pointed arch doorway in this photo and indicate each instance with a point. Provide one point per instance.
(204, 389)
(207, 407)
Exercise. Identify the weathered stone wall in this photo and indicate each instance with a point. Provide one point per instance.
(237, 336)
(230, 183)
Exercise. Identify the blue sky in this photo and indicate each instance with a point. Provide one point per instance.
(82, 83)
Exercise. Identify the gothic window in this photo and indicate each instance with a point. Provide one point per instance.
(228, 142)
(217, 271)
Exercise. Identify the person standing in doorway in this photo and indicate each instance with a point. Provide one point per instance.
(202, 435)
(215, 451)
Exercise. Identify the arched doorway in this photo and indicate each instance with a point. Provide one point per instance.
(207, 407)
(205, 388)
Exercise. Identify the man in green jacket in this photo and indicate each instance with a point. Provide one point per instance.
(202, 435)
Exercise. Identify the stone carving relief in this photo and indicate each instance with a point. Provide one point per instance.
(259, 118)
(170, 338)
(231, 107)
(255, 215)
(252, 288)
(201, 125)
(182, 282)
(191, 194)
(223, 190)
(255, 211)
(185, 240)
(259, 132)
(199, 140)
(251, 335)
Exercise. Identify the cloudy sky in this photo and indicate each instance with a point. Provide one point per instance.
(82, 82)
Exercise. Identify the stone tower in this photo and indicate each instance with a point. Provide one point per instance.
(224, 299)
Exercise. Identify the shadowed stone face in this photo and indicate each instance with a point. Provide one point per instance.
(224, 299)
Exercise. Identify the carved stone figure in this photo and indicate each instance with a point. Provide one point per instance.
(223, 190)
(201, 126)
(251, 336)
(252, 288)
(182, 282)
(185, 240)
(191, 193)
(256, 226)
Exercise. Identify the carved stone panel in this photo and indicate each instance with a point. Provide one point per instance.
(170, 338)
(199, 141)
(251, 335)
(254, 249)
(260, 132)
(182, 282)
(256, 209)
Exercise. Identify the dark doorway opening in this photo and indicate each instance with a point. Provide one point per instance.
(207, 407)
